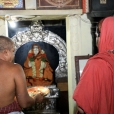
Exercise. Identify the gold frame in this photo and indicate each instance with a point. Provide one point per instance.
(12, 4)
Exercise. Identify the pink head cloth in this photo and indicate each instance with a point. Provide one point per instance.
(106, 41)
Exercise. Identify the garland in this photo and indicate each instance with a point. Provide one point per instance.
(31, 59)
(43, 60)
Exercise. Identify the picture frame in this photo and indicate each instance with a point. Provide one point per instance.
(12, 4)
(80, 62)
(59, 4)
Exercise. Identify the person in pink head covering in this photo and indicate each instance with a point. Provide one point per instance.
(94, 93)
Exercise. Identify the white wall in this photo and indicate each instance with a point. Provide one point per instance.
(79, 42)
(2, 27)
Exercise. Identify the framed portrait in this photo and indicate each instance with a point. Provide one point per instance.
(80, 62)
(12, 4)
(59, 4)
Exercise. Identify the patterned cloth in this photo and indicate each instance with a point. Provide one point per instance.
(16, 112)
(10, 108)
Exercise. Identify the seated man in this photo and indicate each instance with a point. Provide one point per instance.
(37, 68)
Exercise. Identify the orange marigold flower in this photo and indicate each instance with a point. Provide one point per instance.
(43, 55)
(40, 79)
(34, 79)
(30, 54)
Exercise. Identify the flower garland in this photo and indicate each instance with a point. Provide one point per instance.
(31, 59)
(43, 56)
(42, 65)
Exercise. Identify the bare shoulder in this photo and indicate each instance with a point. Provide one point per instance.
(16, 67)
(10, 68)
(17, 70)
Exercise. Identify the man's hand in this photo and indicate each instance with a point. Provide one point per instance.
(39, 97)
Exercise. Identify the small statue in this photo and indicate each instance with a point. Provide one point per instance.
(37, 68)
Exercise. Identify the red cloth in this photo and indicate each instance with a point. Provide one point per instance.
(10, 108)
(95, 90)
(78, 112)
(107, 35)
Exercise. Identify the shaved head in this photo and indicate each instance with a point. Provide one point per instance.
(5, 43)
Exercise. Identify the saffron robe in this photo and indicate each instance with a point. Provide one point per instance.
(47, 78)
